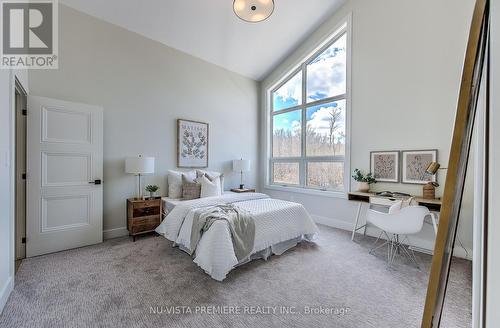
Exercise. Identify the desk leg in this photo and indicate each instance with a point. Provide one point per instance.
(357, 221)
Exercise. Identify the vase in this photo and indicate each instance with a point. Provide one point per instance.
(363, 186)
(151, 194)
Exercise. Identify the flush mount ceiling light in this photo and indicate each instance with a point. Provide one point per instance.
(253, 11)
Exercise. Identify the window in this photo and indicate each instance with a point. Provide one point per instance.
(309, 121)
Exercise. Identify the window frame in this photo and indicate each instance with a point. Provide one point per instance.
(343, 28)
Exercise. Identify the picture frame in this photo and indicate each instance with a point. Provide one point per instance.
(414, 163)
(192, 144)
(384, 165)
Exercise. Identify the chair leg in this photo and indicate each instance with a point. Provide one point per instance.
(411, 253)
(398, 247)
(395, 246)
(378, 247)
(373, 248)
(396, 237)
(390, 248)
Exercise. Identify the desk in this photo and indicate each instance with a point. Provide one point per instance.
(434, 205)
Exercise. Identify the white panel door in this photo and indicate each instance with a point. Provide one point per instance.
(64, 171)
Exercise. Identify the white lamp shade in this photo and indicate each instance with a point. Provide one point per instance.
(253, 10)
(140, 165)
(241, 165)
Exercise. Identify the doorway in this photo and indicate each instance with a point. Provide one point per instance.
(20, 172)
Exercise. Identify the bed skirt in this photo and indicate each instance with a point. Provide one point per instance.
(276, 249)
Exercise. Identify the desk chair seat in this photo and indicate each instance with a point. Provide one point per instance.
(406, 221)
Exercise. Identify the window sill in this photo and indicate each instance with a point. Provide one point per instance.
(315, 192)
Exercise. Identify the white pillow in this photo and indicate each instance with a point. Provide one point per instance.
(212, 175)
(209, 188)
(174, 180)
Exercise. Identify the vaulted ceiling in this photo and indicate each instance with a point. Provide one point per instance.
(210, 30)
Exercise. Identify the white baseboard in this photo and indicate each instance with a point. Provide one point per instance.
(5, 292)
(115, 233)
(458, 251)
(334, 223)
(420, 245)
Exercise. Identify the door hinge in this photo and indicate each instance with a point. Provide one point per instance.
(23, 176)
(23, 240)
(25, 112)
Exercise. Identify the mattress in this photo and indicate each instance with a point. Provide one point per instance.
(170, 203)
(276, 221)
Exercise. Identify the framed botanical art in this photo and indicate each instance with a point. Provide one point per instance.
(192, 144)
(414, 164)
(384, 165)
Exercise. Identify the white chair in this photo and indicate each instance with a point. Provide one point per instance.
(406, 221)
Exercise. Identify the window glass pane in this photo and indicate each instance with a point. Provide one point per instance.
(326, 74)
(325, 134)
(287, 134)
(286, 173)
(290, 94)
(328, 175)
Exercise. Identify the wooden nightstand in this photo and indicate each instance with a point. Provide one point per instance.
(143, 216)
(238, 190)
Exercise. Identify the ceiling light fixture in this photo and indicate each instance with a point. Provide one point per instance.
(253, 11)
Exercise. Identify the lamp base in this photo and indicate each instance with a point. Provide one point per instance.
(242, 186)
(429, 191)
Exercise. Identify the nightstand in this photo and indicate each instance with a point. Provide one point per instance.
(143, 216)
(238, 190)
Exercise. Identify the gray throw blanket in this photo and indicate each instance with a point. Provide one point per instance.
(240, 224)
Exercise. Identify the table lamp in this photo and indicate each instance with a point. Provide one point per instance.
(140, 166)
(429, 189)
(241, 165)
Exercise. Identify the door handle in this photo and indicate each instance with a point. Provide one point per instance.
(96, 182)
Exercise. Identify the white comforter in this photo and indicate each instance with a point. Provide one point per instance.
(276, 221)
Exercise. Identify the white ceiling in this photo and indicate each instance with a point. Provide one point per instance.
(209, 29)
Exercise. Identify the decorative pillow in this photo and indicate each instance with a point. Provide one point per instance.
(212, 175)
(209, 188)
(190, 188)
(174, 179)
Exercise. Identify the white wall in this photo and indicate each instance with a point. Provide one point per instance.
(145, 87)
(493, 278)
(407, 59)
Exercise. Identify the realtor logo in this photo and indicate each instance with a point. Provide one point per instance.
(29, 34)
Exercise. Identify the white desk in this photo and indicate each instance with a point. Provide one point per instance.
(434, 205)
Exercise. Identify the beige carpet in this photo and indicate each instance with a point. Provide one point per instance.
(121, 284)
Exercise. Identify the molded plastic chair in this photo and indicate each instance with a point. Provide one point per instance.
(406, 221)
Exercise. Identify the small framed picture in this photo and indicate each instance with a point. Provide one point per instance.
(384, 165)
(414, 164)
(192, 144)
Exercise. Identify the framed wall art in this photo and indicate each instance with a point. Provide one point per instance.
(192, 144)
(414, 163)
(384, 165)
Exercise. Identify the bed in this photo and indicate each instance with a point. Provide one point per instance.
(279, 226)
